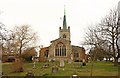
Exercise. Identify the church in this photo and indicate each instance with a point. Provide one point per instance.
(61, 48)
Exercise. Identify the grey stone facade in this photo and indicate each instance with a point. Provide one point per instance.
(61, 48)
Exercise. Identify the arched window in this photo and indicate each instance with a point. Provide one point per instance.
(64, 36)
(46, 53)
(60, 49)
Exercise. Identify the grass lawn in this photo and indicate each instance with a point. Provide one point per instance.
(99, 69)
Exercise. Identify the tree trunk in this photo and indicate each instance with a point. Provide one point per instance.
(118, 51)
(20, 50)
(115, 61)
(113, 48)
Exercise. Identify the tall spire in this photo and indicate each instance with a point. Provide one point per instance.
(64, 20)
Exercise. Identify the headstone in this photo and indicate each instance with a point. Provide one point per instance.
(29, 74)
(54, 69)
(80, 64)
(83, 60)
(71, 56)
(34, 65)
(61, 63)
(49, 60)
(46, 66)
(69, 61)
(84, 64)
(118, 60)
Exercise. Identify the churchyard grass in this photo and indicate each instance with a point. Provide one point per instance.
(99, 69)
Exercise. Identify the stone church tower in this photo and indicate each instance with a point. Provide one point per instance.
(65, 32)
(61, 48)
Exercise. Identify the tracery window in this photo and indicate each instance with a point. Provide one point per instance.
(60, 49)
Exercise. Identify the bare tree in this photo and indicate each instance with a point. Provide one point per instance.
(106, 35)
(118, 37)
(97, 42)
(24, 37)
(3, 32)
(90, 37)
(109, 30)
(94, 38)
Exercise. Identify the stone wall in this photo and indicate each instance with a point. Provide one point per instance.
(52, 49)
(81, 52)
(42, 57)
(69, 52)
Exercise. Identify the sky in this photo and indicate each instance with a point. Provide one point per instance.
(46, 16)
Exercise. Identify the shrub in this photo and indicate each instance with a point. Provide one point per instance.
(17, 66)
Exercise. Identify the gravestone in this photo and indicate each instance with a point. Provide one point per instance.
(34, 66)
(54, 69)
(81, 64)
(84, 64)
(69, 61)
(29, 75)
(49, 60)
(61, 63)
(46, 66)
(119, 60)
(71, 56)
